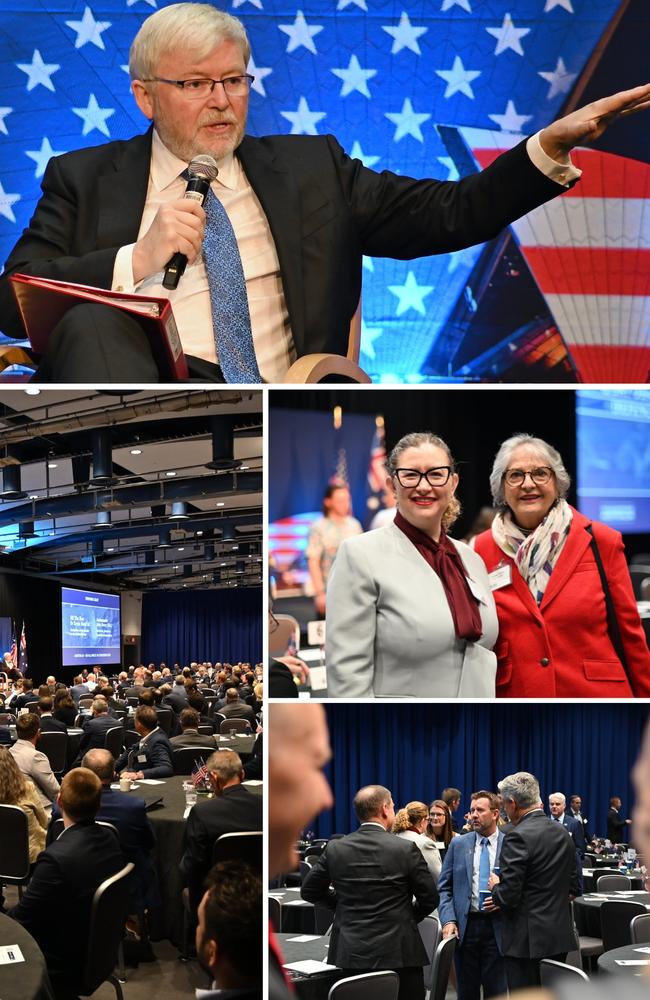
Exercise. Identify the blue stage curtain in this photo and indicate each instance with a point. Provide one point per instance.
(216, 625)
(417, 750)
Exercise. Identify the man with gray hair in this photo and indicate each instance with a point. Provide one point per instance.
(537, 882)
(286, 221)
(380, 888)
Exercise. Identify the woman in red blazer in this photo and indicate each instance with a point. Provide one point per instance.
(554, 640)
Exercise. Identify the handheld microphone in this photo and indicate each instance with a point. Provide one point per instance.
(202, 171)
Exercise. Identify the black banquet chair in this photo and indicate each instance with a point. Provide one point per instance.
(109, 911)
(378, 985)
(615, 919)
(115, 740)
(55, 748)
(239, 847)
(640, 928)
(235, 726)
(552, 973)
(14, 856)
(441, 968)
(185, 758)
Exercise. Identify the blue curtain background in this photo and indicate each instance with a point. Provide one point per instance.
(213, 625)
(417, 750)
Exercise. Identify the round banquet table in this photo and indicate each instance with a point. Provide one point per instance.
(586, 909)
(314, 987)
(630, 952)
(297, 915)
(26, 980)
(168, 821)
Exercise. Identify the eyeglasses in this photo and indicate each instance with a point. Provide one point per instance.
(437, 816)
(234, 86)
(517, 477)
(411, 478)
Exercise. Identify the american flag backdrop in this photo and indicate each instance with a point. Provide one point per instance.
(383, 76)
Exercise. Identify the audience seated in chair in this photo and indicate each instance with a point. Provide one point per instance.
(17, 790)
(95, 729)
(233, 810)
(31, 762)
(151, 756)
(237, 709)
(48, 723)
(229, 932)
(55, 908)
(190, 735)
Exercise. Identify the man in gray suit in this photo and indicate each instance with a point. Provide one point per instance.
(537, 882)
(380, 888)
(190, 735)
(468, 863)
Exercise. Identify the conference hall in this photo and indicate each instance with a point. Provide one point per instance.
(131, 808)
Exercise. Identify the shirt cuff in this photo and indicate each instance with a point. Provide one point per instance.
(123, 269)
(562, 173)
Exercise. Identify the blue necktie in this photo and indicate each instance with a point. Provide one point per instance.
(230, 315)
(483, 870)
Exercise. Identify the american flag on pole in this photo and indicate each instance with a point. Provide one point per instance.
(376, 470)
(13, 650)
(23, 649)
(199, 772)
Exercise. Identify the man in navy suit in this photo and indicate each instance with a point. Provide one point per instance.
(48, 723)
(95, 728)
(56, 906)
(557, 805)
(468, 864)
(152, 756)
(575, 810)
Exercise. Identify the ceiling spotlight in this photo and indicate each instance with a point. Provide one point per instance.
(33, 496)
(179, 511)
(110, 550)
(164, 539)
(136, 451)
(102, 520)
(26, 530)
(223, 429)
(220, 503)
(32, 391)
(181, 548)
(52, 465)
(11, 484)
(170, 473)
(198, 534)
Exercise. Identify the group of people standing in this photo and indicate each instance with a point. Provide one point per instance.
(539, 605)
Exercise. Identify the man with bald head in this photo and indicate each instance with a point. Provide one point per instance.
(380, 888)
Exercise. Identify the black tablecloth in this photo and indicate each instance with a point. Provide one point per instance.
(26, 980)
(169, 826)
(587, 910)
(607, 962)
(308, 987)
(298, 919)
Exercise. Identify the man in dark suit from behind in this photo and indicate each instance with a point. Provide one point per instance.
(369, 879)
(26, 698)
(177, 697)
(235, 708)
(56, 906)
(151, 757)
(537, 882)
(190, 735)
(229, 932)
(95, 728)
(234, 809)
(48, 723)
(615, 823)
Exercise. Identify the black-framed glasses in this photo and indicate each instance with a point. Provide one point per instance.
(234, 86)
(411, 478)
(539, 476)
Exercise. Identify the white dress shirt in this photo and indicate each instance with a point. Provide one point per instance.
(272, 338)
(492, 854)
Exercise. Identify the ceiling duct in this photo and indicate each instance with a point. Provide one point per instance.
(223, 445)
(81, 472)
(26, 530)
(179, 511)
(208, 550)
(11, 484)
(97, 547)
(103, 458)
(102, 519)
(164, 539)
(228, 532)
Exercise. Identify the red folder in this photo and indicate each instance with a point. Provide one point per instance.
(43, 302)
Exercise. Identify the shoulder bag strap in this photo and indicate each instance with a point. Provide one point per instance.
(612, 623)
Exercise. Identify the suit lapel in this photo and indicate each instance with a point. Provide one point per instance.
(576, 545)
(122, 193)
(279, 197)
(469, 858)
(523, 592)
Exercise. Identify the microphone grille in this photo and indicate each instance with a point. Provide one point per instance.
(203, 166)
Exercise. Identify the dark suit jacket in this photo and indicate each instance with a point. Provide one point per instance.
(281, 682)
(158, 752)
(615, 826)
(253, 768)
(55, 908)
(374, 876)
(538, 874)
(189, 739)
(235, 811)
(176, 699)
(324, 211)
(94, 734)
(240, 710)
(576, 830)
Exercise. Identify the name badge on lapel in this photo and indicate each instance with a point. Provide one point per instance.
(500, 577)
(142, 758)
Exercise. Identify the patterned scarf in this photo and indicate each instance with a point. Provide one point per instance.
(444, 560)
(535, 552)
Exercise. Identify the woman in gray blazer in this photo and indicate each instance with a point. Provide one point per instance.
(409, 610)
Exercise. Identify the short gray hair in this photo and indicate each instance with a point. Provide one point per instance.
(369, 800)
(522, 787)
(196, 26)
(502, 460)
(558, 795)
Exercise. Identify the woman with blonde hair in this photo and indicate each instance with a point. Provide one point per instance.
(17, 790)
(410, 824)
(409, 610)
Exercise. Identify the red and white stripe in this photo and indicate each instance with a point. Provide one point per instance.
(589, 252)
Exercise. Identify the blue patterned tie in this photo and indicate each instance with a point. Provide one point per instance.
(230, 315)
(483, 870)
